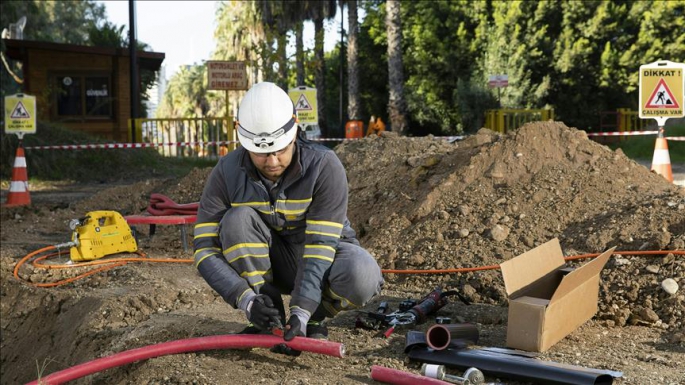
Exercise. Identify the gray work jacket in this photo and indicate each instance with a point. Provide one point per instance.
(311, 200)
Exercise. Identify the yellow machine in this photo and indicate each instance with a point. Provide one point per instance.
(100, 233)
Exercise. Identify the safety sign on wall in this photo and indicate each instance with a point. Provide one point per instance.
(304, 99)
(20, 114)
(662, 90)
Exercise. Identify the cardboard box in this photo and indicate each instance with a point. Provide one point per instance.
(546, 301)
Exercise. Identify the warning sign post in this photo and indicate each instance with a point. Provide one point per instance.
(20, 114)
(304, 99)
(662, 90)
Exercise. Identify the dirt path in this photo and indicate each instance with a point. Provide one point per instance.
(417, 204)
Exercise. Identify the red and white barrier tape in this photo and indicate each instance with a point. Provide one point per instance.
(622, 133)
(108, 146)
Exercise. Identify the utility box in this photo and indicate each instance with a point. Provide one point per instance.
(548, 301)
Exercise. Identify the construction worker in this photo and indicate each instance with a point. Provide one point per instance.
(272, 220)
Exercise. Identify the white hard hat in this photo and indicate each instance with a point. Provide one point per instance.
(266, 119)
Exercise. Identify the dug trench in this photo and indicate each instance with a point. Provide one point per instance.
(417, 203)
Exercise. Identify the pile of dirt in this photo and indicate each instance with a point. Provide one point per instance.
(491, 197)
(417, 203)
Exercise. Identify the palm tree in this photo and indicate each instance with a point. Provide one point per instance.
(397, 105)
(318, 12)
(353, 103)
(240, 35)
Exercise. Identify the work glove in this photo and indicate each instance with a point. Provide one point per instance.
(261, 311)
(297, 324)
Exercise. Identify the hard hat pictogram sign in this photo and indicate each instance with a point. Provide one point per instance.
(304, 100)
(662, 90)
(20, 114)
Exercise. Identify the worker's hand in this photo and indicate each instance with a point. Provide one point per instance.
(294, 328)
(261, 311)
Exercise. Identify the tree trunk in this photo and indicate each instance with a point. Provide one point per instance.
(282, 41)
(353, 104)
(299, 53)
(397, 106)
(320, 75)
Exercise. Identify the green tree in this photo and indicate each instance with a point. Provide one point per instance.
(65, 21)
(318, 12)
(186, 94)
(353, 96)
(397, 106)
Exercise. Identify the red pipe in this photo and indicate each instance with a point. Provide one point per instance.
(398, 377)
(236, 341)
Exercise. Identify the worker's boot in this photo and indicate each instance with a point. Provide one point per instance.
(315, 327)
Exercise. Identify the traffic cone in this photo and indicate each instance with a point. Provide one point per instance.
(19, 185)
(661, 162)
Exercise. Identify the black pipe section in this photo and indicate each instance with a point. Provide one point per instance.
(440, 337)
(514, 367)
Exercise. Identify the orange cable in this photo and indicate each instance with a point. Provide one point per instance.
(495, 267)
(116, 262)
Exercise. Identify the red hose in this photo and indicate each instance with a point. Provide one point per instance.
(398, 377)
(235, 341)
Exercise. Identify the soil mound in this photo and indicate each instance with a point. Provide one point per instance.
(417, 203)
(429, 204)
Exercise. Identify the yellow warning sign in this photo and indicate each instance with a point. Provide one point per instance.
(20, 114)
(304, 99)
(662, 90)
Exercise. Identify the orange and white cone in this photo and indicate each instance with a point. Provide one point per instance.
(19, 185)
(661, 162)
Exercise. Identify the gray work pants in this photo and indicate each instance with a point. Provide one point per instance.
(353, 279)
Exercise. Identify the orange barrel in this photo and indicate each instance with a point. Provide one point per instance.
(354, 129)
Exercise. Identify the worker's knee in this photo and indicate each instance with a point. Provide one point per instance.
(355, 275)
(242, 224)
(238, 216)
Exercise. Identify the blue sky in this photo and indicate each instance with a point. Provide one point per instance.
(184, 30)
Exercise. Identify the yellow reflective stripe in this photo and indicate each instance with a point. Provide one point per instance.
(330, 308)
(242, 294)
(198, 251)
(321, 233)
(319, 247)
(241, 245)
(202, 259)
(206, 235)
(322, 257)
(249, 255)
(258, 283)
(252, 273)
(251, 204)
(326, 223)
(332, 294)
(284, 211)
(207, 224)
(294, 200)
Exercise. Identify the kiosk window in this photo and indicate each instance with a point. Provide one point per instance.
(84, 96)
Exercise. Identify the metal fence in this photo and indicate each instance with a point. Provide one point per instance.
(622, 120)
(208, 138)
(505, 120)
